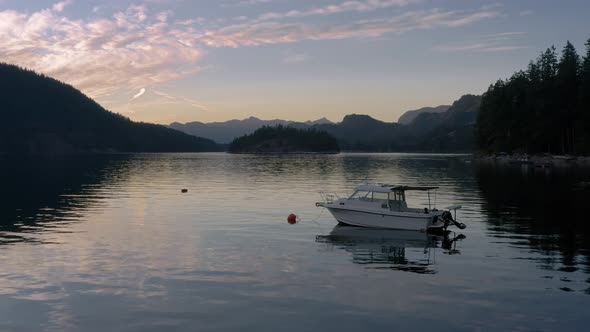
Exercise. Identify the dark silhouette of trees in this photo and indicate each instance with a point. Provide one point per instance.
(284, 139)
(567, 82)
(43, 115)
(542, 109)
(583, 108)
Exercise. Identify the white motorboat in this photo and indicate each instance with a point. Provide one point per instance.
(384, 206)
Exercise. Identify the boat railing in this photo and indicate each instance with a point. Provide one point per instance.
(329, 197)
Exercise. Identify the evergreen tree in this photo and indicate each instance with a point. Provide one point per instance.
(548, 64)
(583, 110)
(490, 136)
(567, 81)
(543, 109)
(546, 135)
(517, 119)
(533, 104)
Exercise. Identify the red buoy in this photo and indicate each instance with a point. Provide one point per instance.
(292, 219)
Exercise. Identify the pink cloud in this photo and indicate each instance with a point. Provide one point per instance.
(100, 56)
(59, 7)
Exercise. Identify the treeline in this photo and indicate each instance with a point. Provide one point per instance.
(284, 139)
(43, 115)
(543, 109)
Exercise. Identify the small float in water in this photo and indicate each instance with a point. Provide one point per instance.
(384, 206)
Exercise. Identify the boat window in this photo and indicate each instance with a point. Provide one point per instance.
(397, 196)
(361, 195)
(379, 196)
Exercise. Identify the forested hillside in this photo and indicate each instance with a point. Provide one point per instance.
(543, 109)
(43, 115)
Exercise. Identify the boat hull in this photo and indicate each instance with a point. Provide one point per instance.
(405, 221)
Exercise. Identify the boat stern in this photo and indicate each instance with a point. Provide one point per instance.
(445, 219)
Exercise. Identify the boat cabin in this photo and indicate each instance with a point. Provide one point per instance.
(392, 197)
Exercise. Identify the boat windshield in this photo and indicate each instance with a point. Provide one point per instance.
(375, 196)
(360, 194)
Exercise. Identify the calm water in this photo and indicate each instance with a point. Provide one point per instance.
(111, 244)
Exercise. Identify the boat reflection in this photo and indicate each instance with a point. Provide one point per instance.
(400, 250)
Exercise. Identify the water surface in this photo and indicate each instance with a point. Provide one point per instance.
(99, 243)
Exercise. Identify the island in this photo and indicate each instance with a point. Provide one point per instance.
(283, 139)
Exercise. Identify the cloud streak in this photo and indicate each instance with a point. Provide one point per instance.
(249, 3)
(192, 102)
(347, 6)
(478, 47)
(295, 58)
(259, 33)
(500, 42)
(138, 94)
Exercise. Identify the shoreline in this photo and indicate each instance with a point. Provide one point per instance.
(536, 160)
(281, 153)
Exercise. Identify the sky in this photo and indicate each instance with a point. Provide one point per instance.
(213, 60)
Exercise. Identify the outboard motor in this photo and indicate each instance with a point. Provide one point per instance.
(447, 218)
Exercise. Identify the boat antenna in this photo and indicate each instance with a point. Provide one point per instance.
(428, 199)
(435, 190)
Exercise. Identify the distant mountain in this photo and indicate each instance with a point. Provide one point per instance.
(409, 116)
(453, 130)
(359, 132)
(444, 129)
(318, 122)
(463, 112)
(42, 115)
(448, 131)
(225, 132)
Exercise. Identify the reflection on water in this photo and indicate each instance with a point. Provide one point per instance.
(544, 210)
(41, 195)
(111, 243)
(408, 251)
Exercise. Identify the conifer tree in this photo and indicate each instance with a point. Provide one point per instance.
(543, 109)
(567, 81)
(583, 110)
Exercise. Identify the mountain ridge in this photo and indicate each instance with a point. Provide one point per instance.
(452, 131)
(224, 132)
(409, 116)
(361, 132)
